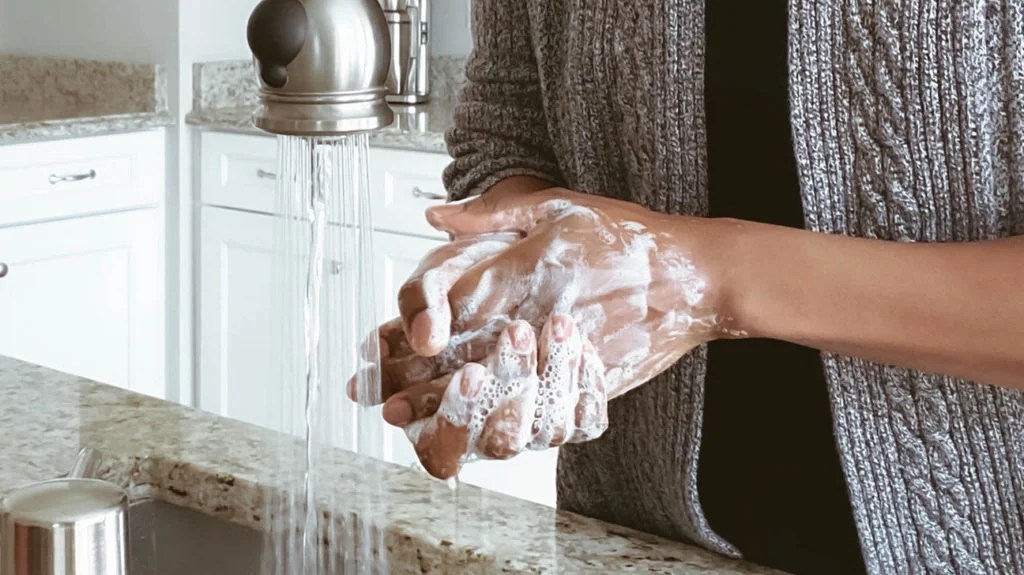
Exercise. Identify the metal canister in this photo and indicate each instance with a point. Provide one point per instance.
(69, 526)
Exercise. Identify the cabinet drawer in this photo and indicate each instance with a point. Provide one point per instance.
(405, 184)
(239, 171)
(58, 179)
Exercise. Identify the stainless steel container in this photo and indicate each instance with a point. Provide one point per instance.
(69, 526)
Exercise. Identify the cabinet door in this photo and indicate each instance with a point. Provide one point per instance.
(529, 476)
(85, 296)
(242, 350)
(396, 260)
(238, 362)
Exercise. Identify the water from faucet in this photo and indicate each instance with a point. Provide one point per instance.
(324, 300)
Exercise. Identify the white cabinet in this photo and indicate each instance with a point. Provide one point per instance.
(396, 260)
(81, 233)
(239, 357)
(240, 353)
(85, 296)
(238, 361)
(82, 176)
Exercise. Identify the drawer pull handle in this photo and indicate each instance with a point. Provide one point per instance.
(55, 179)
(3, 270)
(265, 175)
(418, 193)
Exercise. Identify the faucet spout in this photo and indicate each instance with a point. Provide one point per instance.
(322, 66)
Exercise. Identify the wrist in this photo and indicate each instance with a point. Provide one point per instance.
(712, 248)
(763, 278)
(741, 261)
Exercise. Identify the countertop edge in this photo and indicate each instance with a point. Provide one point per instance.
(64, 128)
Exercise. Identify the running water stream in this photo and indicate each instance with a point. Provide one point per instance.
(324, 296)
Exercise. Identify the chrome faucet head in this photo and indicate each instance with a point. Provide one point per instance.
(322, 66)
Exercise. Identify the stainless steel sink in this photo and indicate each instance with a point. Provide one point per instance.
(171, 540)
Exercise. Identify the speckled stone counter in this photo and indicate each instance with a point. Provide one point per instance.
(223, 467)
(50, 98)
(225, 94)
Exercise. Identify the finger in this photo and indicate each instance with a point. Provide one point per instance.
(370, 386)
(410, 371)
(496, 212)
(515, 357)
(423, 299)
(445, 441)
(505, 430)
(514, 366)
(592, 409)
(441, 447)
(390, 338)
(511, 285)
(417, 402)
(395, 375)
(557, 388)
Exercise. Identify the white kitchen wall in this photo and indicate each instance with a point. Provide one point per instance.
(452, 32)
(96, 29)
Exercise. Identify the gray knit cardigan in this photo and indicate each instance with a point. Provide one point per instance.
(908, 123)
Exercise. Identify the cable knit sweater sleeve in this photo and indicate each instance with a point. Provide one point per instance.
(499, 126)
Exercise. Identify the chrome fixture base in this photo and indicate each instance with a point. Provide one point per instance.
(408, 98)
(319, 119)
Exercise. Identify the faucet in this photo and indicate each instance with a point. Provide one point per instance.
(322, 66)
(409, 25)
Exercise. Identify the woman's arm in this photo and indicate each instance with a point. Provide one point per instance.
(954, 309)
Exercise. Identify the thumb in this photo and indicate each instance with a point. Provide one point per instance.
(502, 213)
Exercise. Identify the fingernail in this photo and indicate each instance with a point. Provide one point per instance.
(471, 380)
(397, 412)
(561, 327)
(522, 337)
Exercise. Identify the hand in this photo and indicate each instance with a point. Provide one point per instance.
(639, 284)
(524, 396)
(400, 367)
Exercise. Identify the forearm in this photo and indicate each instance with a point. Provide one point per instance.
(955, 309)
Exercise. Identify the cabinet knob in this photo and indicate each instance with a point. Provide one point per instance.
(58, 179)
(418, 193)
(3, 270)
(265, 175)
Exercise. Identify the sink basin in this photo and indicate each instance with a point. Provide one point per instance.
(171, 540)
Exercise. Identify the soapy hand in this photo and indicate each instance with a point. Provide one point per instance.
(525, 395)
(636, 285)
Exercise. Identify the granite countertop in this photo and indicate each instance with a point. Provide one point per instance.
(222, 467)
(51, 98)
(29, 122)
(225, 94)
